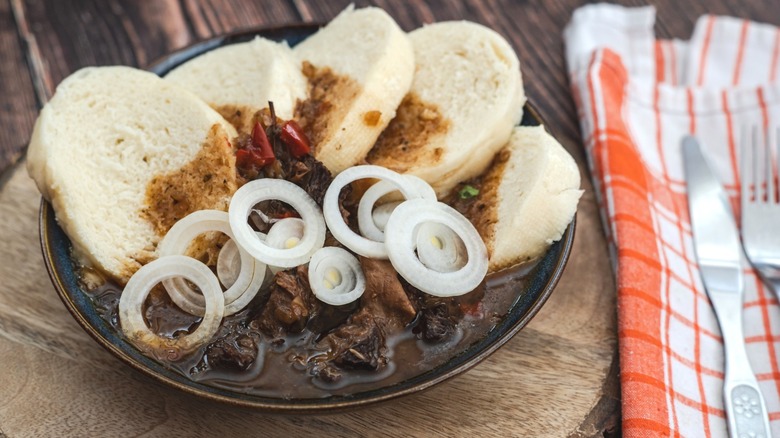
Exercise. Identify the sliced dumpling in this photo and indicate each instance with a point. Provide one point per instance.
(122, 155)
(239, 79)
(360, 67)
(525, 200)
(466, 96)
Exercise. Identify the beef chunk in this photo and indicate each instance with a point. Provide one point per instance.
(366, 354)
(435, 323)
(326, 373)
(439, 316)
(234, 351)
(327, 317)
(305, 171)
(166, 318)
(385, 296)
(289, 306)
(311, 175)
(360, 343)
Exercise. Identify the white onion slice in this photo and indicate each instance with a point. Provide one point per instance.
(335, 276)
(439, 248)
(229, 262)
(178, 239)
(254, 192)
(339, 228)
(402, 231)
(379, 217)
(371, 222)
(137, 290)
(368, 228)
(286, 233)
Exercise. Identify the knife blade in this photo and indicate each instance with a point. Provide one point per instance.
(719, 255)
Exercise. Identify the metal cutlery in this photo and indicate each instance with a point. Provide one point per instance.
(718, 250)
(760, 209)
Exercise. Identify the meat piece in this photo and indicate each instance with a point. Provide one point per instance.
(385, 296)
(327, 317)
(326, 373)
(234, 351)
(365, 354)
(435, 324)
(289, 306)
(166, 318)
(439, 316)
(311, 175)
(360, 343)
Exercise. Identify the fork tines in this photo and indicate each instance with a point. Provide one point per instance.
(758, 167)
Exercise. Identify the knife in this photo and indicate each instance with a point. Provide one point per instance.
(719, 253)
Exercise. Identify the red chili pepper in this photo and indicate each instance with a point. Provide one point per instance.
(260, 154)
(293, 136)
(260, 141)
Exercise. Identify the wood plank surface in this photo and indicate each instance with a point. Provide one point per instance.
(56, 381)
(558, 377)
(17, 98)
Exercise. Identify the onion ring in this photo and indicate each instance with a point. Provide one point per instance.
(402, 230)
(136, 291)
(379, 218)
(229, 262)
(335, 276)
(178, 239)
(439, 248)
(367, 216)
(339, 228)
(254, 192)
(286, 233)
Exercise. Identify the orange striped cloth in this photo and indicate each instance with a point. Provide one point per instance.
(637, 96)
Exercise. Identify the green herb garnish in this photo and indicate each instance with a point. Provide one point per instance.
(468, 191)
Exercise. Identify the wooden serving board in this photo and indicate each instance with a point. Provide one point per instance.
(557, 377)
(550, 380)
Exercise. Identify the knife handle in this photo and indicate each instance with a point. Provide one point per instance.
(746, 411)
(745, 408)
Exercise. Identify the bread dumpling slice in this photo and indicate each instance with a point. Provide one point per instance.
(122, 155)
(360, 67)
(525, 200)
(466, 96)
(239, 79)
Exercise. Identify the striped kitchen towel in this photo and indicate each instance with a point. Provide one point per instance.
(637, 96)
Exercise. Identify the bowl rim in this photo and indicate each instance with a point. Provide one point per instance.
(308, 405)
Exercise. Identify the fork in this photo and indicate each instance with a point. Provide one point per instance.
(760, 209)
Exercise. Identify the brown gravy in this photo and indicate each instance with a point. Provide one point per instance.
(280, 370)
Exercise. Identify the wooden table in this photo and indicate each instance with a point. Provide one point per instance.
(558, 377)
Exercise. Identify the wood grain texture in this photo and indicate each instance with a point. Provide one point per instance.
(549, 380)
(17, 99)
(57, 382)
(558, 377)
(215, 17)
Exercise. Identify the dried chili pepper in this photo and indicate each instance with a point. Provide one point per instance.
(292, 135)
(259, 154)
